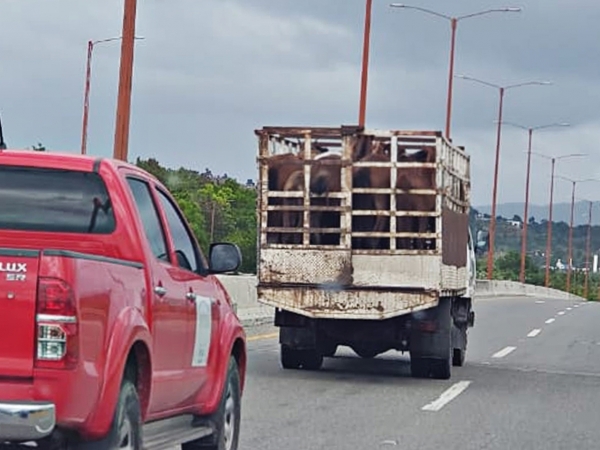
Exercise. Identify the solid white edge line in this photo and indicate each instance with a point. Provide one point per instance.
(505, 351)
(447, 396)
(534, 333)
(550, 320)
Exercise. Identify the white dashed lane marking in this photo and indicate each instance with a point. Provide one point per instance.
(534, 333)
(505, 351)
(550, 320)
(447, 396)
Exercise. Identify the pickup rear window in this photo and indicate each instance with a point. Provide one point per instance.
(62, 201)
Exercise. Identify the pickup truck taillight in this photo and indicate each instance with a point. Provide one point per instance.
(57, 328)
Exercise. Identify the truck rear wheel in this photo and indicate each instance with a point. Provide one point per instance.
(431, 353)
(292, 358)
(459, 342)
(458, 358)
(430, 367)
(126, 429)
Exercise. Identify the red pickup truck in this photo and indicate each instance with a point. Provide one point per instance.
(117, 333)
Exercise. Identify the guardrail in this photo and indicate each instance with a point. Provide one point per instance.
(242, 289)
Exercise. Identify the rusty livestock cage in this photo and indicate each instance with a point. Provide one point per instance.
(361, 208)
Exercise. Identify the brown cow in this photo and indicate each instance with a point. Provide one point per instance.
(286, 173)
(281, 167)
(416, 178)
(380, 178)
(325, 178)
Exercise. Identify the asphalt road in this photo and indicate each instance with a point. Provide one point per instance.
(529, 383)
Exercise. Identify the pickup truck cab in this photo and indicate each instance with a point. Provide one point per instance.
(117, 333)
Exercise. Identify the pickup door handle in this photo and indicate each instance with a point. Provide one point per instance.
(160, 291)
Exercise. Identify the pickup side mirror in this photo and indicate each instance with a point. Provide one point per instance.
(224, 257)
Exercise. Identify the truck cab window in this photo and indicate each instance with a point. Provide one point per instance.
(149, 216)
(185, 248)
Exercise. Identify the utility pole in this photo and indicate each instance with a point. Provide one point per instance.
(125, 82)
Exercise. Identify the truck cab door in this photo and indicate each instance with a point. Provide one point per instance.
(168, 305)
(202, 309)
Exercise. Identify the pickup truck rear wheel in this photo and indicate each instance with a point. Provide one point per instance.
(126, 430)
(227, 419)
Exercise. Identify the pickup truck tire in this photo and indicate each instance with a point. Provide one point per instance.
(292, 358)
(126, 429)
(227, 419)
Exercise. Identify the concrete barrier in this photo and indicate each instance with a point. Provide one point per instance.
(494, 288)
(242, 289)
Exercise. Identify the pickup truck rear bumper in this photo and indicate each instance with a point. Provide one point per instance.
(22, 421)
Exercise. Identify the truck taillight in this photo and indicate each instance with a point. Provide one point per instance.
(57, 328)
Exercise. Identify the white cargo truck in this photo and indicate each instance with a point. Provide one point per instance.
(364, 242)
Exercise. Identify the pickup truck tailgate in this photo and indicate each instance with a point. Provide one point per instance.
(18, 291)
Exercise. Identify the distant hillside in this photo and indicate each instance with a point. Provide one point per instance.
(508, 238)
(561, 212)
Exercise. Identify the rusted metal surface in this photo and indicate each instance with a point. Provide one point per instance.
(353, 207)
(327, 302)
(397, 271)
(305, 266)
(454, 238)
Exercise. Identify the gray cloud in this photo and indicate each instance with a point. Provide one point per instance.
(208, 73)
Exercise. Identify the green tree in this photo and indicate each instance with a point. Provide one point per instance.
(217, 208)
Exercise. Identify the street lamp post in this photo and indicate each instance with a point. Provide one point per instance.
(86, 96)
(570, 250)
(553, 160)
(587, 253)
(530, 131)
(453, 25)
(501, 90)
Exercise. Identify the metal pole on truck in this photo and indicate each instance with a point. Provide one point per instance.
(501, 90)
(453, 25)
(362, 110)
(125, 81)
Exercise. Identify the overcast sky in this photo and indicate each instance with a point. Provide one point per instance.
(209, 72)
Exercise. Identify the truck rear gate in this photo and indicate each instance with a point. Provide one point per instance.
(18, 293)
(319, 255)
